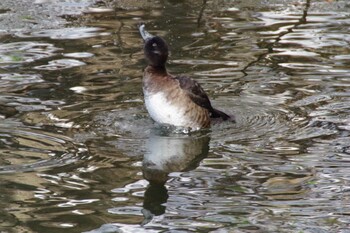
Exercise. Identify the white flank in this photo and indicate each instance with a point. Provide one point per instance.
(163, 112)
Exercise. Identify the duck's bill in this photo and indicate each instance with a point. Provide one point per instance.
(145, 35)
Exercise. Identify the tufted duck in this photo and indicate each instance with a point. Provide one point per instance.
(174, 100)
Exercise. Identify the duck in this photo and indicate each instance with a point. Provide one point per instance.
(179, 100)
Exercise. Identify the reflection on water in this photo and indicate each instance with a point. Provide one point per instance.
(172, 152)
(78, 151)
(168, 152)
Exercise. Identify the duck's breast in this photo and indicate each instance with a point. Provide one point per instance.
(164, 111)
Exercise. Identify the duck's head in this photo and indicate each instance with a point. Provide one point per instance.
(155, 48)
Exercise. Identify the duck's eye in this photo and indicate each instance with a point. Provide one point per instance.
(154, 44)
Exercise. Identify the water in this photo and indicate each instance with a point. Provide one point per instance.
(78, 152)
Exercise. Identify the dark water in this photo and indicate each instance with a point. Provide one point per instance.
(78, 152)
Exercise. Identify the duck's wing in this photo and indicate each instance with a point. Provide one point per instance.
(198, 96)
(194, 91)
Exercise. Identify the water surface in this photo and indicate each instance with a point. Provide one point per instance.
(79, 153)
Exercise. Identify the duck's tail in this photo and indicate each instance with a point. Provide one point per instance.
(214, 113)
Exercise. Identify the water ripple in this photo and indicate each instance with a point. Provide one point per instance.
(24, 52)
(17, 82)
(65, 33)
(60, 64)
(28, 149)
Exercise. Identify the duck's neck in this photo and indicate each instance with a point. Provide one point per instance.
(157, 69)
(154, 79)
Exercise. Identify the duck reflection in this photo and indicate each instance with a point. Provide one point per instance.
(169, 152)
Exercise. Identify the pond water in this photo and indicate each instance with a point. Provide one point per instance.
(79, 153)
